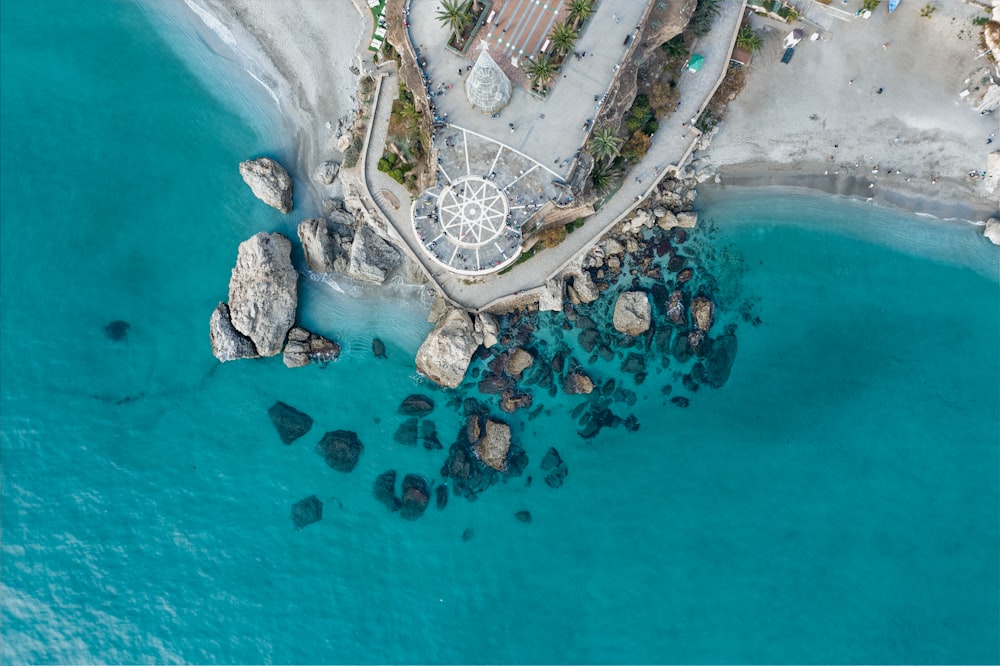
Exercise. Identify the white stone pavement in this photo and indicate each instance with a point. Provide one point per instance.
(670, 147)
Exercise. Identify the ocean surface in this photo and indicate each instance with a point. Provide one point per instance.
(836, 501)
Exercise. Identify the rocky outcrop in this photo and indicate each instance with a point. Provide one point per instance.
(519, 361)
(584, 288)
(702, 312)
(675, 307)
(289, 422)
(445, 354)
(372, 258)
(228, 344)
(385, 490)
(493, 447)
(269, 182)
(263, 292)
(341, 449)
(487, 326)
(326, 172)
(551, 298)
(318, 244)
(632, 313)
(687, 220)
(992, 230)
(304, 347)
(577, 382)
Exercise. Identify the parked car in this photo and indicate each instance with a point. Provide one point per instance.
(789, 52)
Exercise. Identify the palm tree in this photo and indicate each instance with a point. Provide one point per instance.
(454, 14)
(604, 176)
(580, 11)
(563, 36)
(604, 145)
(748, 39)
(541, 70)
(702, 17)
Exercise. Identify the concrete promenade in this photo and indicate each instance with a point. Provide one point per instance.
(671, 147)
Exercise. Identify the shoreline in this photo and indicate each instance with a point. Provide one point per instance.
(946, 202)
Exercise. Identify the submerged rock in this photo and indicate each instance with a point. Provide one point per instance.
(720, 359)
(468, 534)
(524, 516)
(307, 511)
(416, 495)
(511, 401)
(552, 459)
(117, 330)
(416, 404)
(289, 422)
(428, 434)
(632, 313)
(385, 490)
(378, 348)
(341, 449)
(228, 344)
(445, 355)
(442, 496)
(406, 434)
(269, 182)
(263, 292)
(557, 476)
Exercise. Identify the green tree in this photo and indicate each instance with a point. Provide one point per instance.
(604, 176)
(563, 37)
(871, 5)
(580, 11)
(454, 14)
(604, 145)
(676, 47)
(749, 40)
(541, 71)
(702, 17)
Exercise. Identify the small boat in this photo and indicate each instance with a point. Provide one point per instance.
(892, 5)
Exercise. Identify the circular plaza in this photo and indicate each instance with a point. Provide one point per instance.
(464, 226)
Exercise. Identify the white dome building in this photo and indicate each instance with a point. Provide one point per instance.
(487, 87)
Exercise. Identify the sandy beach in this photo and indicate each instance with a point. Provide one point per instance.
(309, 47)
(870, 110)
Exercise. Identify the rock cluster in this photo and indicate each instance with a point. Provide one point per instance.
(269, 182)
(263, 295)
(482, 454)
(304, 347)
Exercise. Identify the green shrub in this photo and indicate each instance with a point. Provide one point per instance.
(641, 102)
(633, 123)
(650, 127)
(574, 225)
(396, 175)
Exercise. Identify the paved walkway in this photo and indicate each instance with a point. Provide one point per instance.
(671, 146)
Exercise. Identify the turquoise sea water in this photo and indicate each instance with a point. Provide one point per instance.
(836, 501)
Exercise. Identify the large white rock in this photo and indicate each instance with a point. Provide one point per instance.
(687, 220)
(269, 182)
(551, 298)
(488, 325)
(318, 244)
(445, 354)
(371, 257)
(584, 287)
(228, 344)
(326, 172)
(992, 230)
(632, 313)
(263, 291)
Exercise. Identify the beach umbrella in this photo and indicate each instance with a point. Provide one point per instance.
(695, 63)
